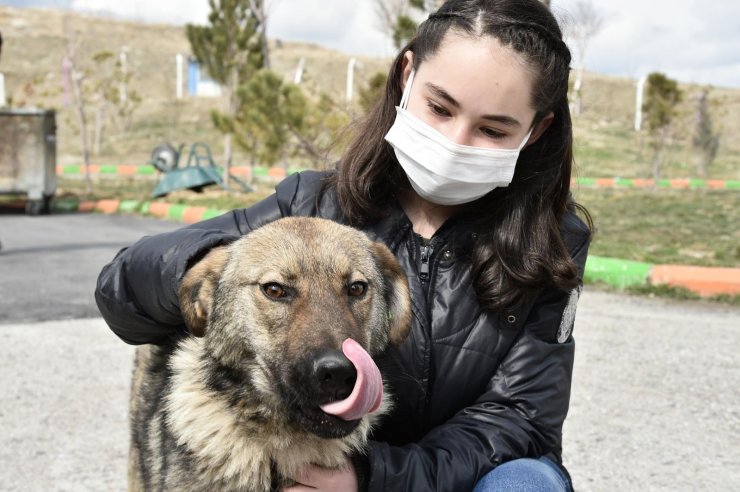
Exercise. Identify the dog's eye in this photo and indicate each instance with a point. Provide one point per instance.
(274, 290)
(356, 289)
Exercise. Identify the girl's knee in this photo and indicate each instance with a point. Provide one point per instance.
(524, 475)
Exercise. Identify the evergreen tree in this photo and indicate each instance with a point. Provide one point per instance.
(406, 24)
(662, 97)
(230, 49)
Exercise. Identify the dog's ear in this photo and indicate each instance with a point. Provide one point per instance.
(197, 289)
(397, 295)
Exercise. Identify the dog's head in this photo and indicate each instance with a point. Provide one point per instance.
(276, 306)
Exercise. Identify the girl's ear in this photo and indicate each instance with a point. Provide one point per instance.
(397, 297)
(197, 289)
(408, 65)
(540, 128)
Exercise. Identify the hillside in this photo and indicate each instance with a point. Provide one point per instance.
(35, 43)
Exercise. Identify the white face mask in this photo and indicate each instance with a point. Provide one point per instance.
(442, 171)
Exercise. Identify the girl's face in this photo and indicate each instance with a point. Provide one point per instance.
(476, 92)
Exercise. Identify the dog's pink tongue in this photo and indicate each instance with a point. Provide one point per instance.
(367, 394)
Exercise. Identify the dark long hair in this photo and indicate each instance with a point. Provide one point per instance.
(519, 248)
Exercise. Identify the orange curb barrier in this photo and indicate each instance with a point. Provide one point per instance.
(241, 171)
(276, 172)
(643, 183)
(715, 184)
(191, 215)
(605, 182)
(107, 206)
(94, 169)
(86, 206)
(159, 209)
(679, 184)
(705, 281)
(127, 170)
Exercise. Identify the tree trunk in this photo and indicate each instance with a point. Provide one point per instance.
(232, 112)
(227, 159)
(658, 155)
(577, 91)
(80, 104)
(99, 128)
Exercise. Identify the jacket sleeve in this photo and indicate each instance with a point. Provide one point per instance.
(520, 413)
(136, 293)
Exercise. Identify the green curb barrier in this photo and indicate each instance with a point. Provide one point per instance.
(616, 272)
(128, 206)
(176, 211)
(147, 170)
(144, 207)
(210, 213)
(108, 169)
(624, 183)
(695, 184)
(65, 205)
(295, 170)
(260, 171)
(72, 169)
(732, 184)
(664, 183)
(586, 181)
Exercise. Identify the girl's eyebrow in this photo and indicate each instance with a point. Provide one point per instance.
(499, 118)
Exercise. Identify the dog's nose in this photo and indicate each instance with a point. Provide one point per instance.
(333, 376)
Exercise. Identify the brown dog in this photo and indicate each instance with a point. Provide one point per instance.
(239, 406)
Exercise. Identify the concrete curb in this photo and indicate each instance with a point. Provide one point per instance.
(280, 173)
(704, 281)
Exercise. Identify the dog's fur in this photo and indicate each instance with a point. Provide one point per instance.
(232, 408)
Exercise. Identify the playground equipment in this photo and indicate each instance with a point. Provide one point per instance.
(198, 172)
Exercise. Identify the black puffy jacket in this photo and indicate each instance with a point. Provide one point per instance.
(475, 388)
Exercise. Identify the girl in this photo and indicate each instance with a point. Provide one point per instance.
(463, 170)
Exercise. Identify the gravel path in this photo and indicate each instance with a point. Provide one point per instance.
(656, 396)
(655, 402)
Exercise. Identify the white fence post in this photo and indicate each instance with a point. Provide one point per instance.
(638, 102)
(299, 71)
(350, 77)
(178, 86)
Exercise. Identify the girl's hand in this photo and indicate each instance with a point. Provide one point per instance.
(313, 478)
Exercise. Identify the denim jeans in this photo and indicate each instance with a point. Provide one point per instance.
(525, 475)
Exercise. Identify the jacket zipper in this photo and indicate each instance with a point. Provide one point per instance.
(425, 273)
(426, 253)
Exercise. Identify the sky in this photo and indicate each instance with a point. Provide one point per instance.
(688, 40)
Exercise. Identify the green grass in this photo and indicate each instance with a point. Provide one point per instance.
(693, 227)
(140, 189)
(690, 227)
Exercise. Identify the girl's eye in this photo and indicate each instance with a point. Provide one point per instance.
(494, 134)
(274, 290)
(437, 109)
(356, 289)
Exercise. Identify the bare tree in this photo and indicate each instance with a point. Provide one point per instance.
(77, 79)
(387, 13)
(585, 23)
(705, 140)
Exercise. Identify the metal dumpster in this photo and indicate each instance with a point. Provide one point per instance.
(28, 156)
